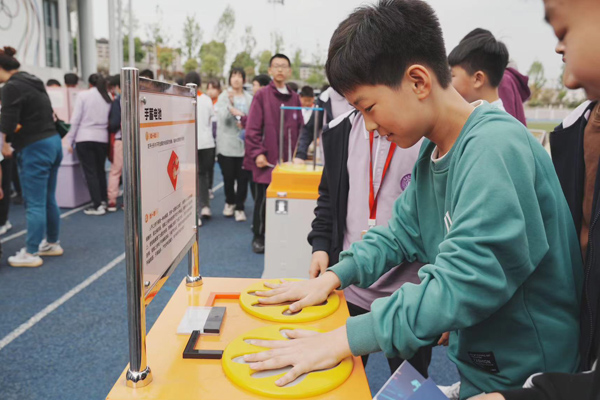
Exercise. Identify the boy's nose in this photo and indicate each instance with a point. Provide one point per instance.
(370, 125)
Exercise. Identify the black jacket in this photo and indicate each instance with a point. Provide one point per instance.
(329, 224)
(308, 130)
(566, 143)
(26, 102)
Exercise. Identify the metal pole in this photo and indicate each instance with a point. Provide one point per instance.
(131, 42)
(193, 277)
(113, 38)
(281, 134)
(315, 133)
(138, 374)
(120, 33)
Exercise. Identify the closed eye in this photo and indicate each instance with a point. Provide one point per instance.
(368, 109)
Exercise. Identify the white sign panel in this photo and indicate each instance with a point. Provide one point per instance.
(168, 179)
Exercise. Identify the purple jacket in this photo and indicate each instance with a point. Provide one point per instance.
(514, 91)
(262, 129)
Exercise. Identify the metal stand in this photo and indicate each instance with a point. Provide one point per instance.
(138, 374)
(193, 277)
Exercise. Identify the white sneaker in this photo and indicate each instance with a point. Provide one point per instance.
(228, 210)
(205, 212)
(240, 216)
(24, 259)
(451, 392)
(5, 228)
(101, 210)
(50, 249)
(199, 222)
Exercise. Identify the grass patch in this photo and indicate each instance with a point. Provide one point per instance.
(547, 126)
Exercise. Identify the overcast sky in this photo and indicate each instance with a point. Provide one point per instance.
(309, 24)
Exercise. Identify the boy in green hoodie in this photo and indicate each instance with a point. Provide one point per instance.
(484, 212)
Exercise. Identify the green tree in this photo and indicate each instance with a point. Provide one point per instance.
(263, 62)
(192, 36)
(225, 25)
(212, 57)
(245, 61)
(296, 63)
(316, 79)
(190, 65)
(537, 80)
(165, 57)
(277, 42)
(155, 31)
(138, 50)
(248, 40)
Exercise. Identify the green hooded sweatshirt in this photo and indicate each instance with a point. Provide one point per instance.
(503, 268)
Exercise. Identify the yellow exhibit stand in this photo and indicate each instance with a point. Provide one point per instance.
(291, 201)
(177, 378)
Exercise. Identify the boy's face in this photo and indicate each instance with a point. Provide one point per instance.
(212, 92)
(400, 114)
(255, 87)
(236, 81)
(575, 24)
(280, 70)
(306, 101)
(464, 83)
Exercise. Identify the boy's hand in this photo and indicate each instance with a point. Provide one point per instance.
(304, 293)
(492, 396)
(318, 264)
(7, 150)
(306, 351)
(444, 339)
(261, 161)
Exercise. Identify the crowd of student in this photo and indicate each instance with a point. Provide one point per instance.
(439, 214)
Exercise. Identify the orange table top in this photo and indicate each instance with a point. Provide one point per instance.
(177, 378)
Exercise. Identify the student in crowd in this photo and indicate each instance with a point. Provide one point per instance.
(307, 99)
(6, 165)
(89, 135)
(262, 137)
(206, 144)
(334, 105)
(477, 65)
(53, 83)
(233, 105)
(575, 153)
(114, 126)
(484, 212)
(180, 81)
(361, 165)
(259, 82)
(514, 91)
(71, 80)
(26, 103)
(213, 90)
(146, 73)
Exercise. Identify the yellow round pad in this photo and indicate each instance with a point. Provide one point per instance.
(280, 313)
(311, 384)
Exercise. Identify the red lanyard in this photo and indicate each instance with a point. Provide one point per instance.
(372, 197)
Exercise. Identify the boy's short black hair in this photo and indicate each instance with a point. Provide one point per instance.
(193, 77)
(147, 74)
(214, 83)
(53, 82)
(114, 80)
(237, 70)
(71, 79)
(262, 79)
(179, 81)
(480, 51)
(293, 86)
(307, 91)
(377, 43)
(279, 55)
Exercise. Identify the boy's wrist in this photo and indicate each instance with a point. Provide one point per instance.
(331, 280)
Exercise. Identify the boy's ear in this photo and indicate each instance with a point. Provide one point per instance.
(479, 79)
(420, 80)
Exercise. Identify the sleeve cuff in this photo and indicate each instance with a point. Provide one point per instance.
(321, 244)
(346, 271)
(361, 335)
